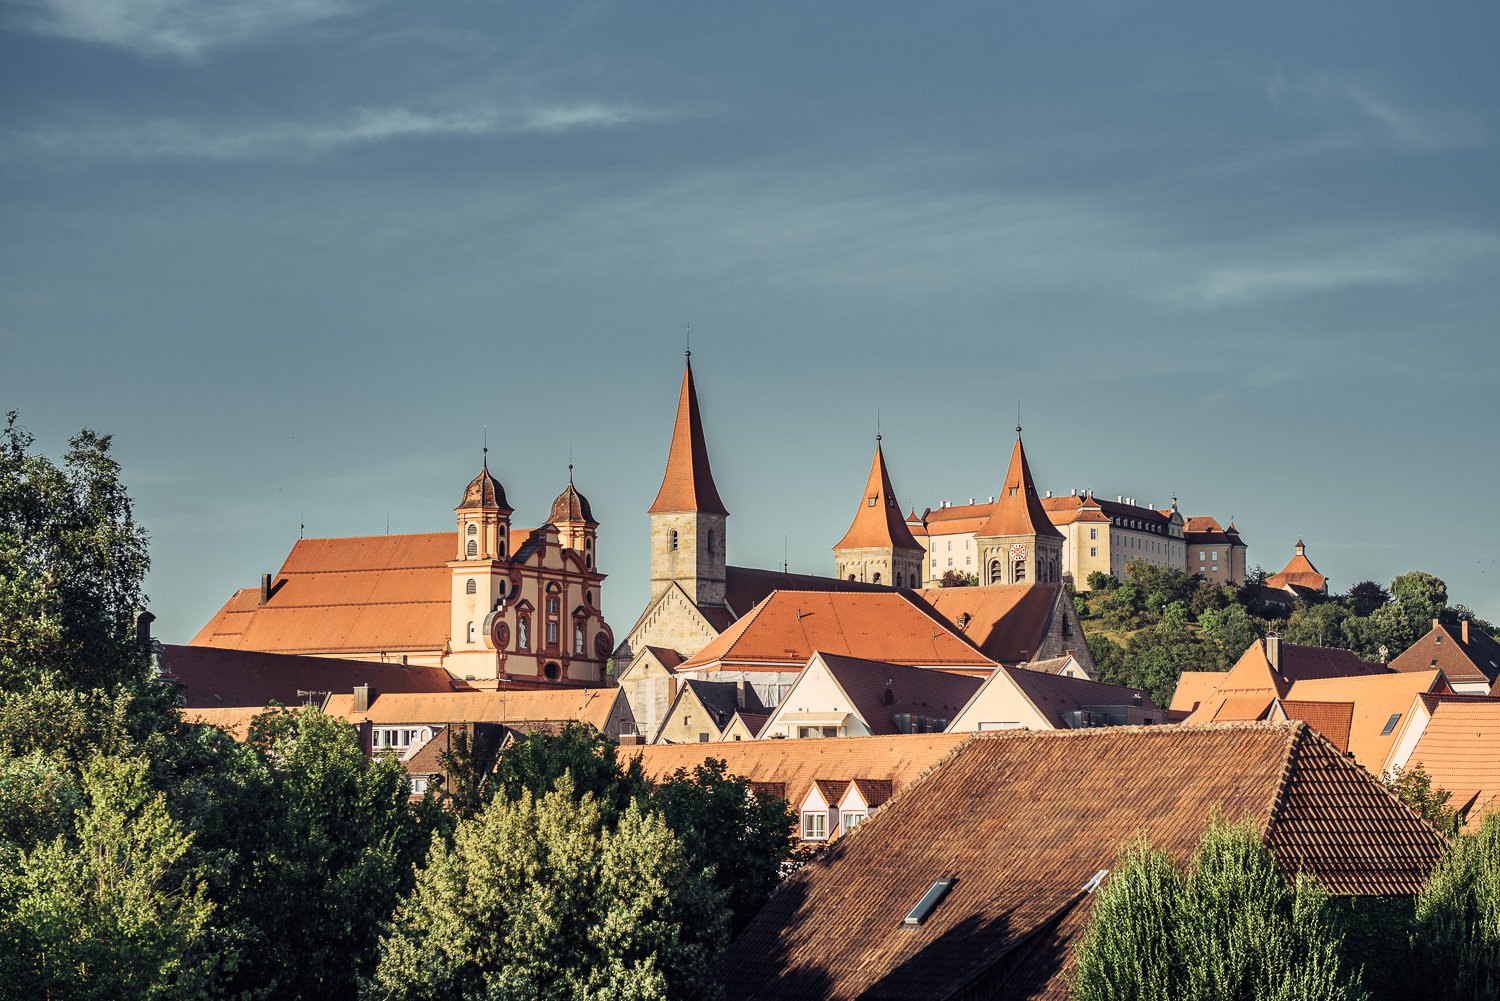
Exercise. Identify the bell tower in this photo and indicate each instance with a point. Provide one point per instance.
(879, 547)
(1018, 544)
(478, 567)
(688, 520)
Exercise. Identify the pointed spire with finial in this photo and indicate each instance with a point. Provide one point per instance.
(878, 522)
(1018, 510)
(688, 484)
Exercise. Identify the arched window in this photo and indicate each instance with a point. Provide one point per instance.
(473, 528)
(851, 576)
(898, 579)
(876, 578)
(1020, 568)
(471, 632)
(588, 561)
(471, 587)
(996, 576)
(472, 550)
(672, 540)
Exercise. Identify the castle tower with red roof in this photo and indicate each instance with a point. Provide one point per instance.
(688, 519)
(1018, 543)
(879, 547)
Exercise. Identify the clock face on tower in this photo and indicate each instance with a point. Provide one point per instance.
(1017, 553)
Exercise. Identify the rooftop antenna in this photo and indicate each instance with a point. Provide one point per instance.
(301, 523)
(387, 521)
(486, 462)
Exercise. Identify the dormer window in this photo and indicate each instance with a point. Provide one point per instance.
(872, 501)
(815, 826)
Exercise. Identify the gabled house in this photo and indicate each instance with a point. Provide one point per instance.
(837, 696)
(745, 725)
(1015, 624)
(1299, 577)
(1006, 838)
(1014, 698)
(1458, 750)
(703, 710)
(1468, 657)
(1411, 727)
(1333, 720)
(1381, 703)
(650, 686)
(1266, 671)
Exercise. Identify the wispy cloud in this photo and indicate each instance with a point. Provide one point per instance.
(1407, 127)
(173, 138)
(184, 29)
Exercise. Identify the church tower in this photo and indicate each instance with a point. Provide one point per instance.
(478, 570)
(879, 548)
(687, 517)
(574, 521)
(1018, 544)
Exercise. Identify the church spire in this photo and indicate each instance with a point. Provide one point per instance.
(1018, 510)
(689, 482)
(878, 522)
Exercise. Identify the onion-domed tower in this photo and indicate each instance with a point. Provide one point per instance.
(574, 521)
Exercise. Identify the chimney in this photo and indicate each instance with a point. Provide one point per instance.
(1273, 651)
(143, 620)
(1463, 627)
(363, 696)
(1119, 498)
(1434, 625)
(971, 500)
(739, 693)
(265, 588)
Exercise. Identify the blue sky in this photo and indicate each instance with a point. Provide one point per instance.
(296, 254)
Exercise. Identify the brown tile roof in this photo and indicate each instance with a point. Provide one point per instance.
(235, 721)
(1461, 751)
(1376, 699)
(1299, 572)
(1021, 844)
(1332, 719)
(1018, 510)
(795, 764)
(754, 721)
(1057, 694)
(784, 630)
(746, 587)
(667, 656)
(689, 482)
(587, 705)
(214, 678)
(379, 592)
(1007, 622)
(571, 505)
(874, 791)
(878, 523)
(916, 690)
(1461, 663)
(484, 491)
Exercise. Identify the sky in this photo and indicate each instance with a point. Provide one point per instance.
(297, 256)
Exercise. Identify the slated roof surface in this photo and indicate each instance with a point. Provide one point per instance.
(688, 484)
(1007, 622)
(1332, 719)
(1028, 842)
(786, 628)
(916, 690)
(587, 705)
(1376, 699)
(1055, 694)
(215, 678)
(1461, 663)
(795, 764)
(1459, 750)
(1018, 510)
(878, 522)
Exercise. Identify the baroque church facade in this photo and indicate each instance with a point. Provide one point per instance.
(492, 604)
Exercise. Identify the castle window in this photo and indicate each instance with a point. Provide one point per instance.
(851, 576)
(473, 528)
(877, 577)
(552, 634)
(1020, 571)
(552, 672)
(472, 550)
(995, 573)
(672, 540)
(898, 580)
(471, 587)
(710, 540)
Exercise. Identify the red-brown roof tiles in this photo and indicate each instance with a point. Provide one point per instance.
(689, 482)
(1007, 622)
(1332, 719)
(878, 523)
(880, 690)
(1462, 661)
(212, 678)
(1459, 750)
(1020, 845)
(1018, 510)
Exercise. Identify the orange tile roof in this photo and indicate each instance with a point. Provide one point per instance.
(1021, 844)
(234, 721)
(214, 678)
(382, 592)
(1376, 699)
(1018, 510)
(795, 764)
(1242, 708)
(746, 587)
(1299, 572)
(689, 482)
(1332, 719)
(1007, 622)
(878, 523)
(1443, 647)
(586, 705)
(1460, 749)
(783, 631)
(1195, 687)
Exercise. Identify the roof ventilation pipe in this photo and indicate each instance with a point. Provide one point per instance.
(265, 588)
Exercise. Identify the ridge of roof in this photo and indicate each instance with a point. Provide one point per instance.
(688, 483)
(1018, 509)
(878, 522)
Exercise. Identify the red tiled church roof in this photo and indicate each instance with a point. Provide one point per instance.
(1018, 510)
(689, 482)
(878, 522)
